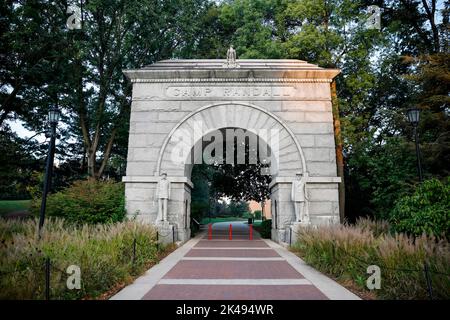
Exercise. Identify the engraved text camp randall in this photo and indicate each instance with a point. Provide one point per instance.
(232, 91)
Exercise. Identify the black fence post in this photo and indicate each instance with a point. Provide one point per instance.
(47, 278)
(157, 240)
(428, 279)
(173, 234)
(134, 252)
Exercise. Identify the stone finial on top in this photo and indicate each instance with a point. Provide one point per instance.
(231, 58)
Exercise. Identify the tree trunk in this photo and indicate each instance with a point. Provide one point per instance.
(107, 153)
(431, 20)
(83, 160)
(91, 163)
(339, 149)
(263, 216)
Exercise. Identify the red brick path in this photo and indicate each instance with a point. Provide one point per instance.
(259, 275)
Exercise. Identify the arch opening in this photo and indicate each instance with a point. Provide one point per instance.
(232, 175)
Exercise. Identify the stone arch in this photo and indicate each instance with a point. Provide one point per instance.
(290, 157)
(165, 96)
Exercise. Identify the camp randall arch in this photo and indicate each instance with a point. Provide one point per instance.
(178, 103)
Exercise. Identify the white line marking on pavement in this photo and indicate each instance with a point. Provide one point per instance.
(244, 282)
(234, 258)
(228, 248)
(234, 240)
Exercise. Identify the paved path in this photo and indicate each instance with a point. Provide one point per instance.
(223, 269)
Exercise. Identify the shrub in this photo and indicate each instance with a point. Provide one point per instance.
(266, 229)
(426, 211)
(199, 210)
(247, 215)
(87, 201)
(103, 253)
(257, 214)
(345, 252)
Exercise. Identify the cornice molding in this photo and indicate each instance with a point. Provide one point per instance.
(257, 72)
(233, 80)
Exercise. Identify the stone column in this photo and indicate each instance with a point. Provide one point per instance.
(323, 205)
(281, 193)
(142, 205)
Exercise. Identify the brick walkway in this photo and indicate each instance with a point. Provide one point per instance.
(237, 269)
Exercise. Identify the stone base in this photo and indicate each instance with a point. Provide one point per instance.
(289, 234)
(274, 235)
(183, 235)
(280, 235)
(296, 227)
(165, 232)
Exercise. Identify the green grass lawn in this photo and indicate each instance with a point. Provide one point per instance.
(7, 206)
(206, 220)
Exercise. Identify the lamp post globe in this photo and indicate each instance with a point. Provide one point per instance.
(54, 115)
(413, 115)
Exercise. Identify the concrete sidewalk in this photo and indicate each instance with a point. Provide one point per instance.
(238, 269)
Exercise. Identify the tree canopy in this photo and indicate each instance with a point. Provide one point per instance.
(384, 72)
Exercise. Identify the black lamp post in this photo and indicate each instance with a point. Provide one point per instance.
(53, 118)
(413, 118)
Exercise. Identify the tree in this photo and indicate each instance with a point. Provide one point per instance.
(18, 159)
(245, 181)
(432, 79)
(32, 38)
(201, 196)
(43, 64)
(411, 72)
(118, 35)
(238, 208)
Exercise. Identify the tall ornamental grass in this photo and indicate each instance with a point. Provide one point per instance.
(345, 252)
(104, 254)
